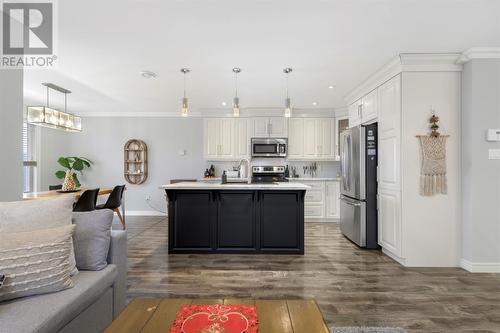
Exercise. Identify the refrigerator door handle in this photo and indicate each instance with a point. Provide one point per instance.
(349, 201)
(343, 166)
(349, 161)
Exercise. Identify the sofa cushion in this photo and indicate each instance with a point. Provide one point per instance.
(35, 262)
(51, 312)
(92, 238)
(30, 215)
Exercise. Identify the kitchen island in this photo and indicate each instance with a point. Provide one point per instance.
(236, 218)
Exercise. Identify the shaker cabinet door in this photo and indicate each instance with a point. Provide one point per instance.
(278, 127)
(369, 106)
(310, 138)
(226, 132)
(211, 145)
(296, 138)
(260, 127)
(332, 189)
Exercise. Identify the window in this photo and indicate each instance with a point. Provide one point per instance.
(30, 164)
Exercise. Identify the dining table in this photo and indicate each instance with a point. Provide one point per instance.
(54, 193)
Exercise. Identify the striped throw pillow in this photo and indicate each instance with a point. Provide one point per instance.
(35, 262)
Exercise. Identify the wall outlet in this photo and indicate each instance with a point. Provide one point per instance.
(494, 154)
(148, 198)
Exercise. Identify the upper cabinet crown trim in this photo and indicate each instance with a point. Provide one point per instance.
(479, 53)
(406, 62)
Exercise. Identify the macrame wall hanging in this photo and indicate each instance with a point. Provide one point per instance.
(433, 168)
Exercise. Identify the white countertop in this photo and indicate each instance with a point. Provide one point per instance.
(235, 186)
(306, 179)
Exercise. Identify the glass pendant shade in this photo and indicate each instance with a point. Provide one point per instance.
(288, 108)
(236, 107)
(48, 117)
(185, 107)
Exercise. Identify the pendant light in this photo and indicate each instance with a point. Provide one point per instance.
(288, 104)
(185, 106)
(236, 100)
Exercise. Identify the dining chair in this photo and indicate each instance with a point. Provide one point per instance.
(55, 187)
(87, 201)
(114, 202)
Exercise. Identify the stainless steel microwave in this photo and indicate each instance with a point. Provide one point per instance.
(269, 147)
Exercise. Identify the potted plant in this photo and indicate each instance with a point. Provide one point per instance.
(72, 163)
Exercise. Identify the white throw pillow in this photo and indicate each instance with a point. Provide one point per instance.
(28, 215)
(35, 262)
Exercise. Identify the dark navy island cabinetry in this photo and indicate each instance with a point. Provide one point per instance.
(214, 218)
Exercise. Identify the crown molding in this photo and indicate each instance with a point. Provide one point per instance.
(131, 114)
(220, 113)
(406, 62)
(479, 53)
(430, 62)
(388, 71)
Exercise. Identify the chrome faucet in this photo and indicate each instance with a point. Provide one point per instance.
(249, 169)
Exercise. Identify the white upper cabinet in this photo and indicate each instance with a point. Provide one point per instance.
(278, 127)
(326, 138)
(369, 106)
(341, 124)
(311, 139)
(226, 133)
(296, 138)
(242, 137)
(270, 127)
(364, 110)
(211, 145)
(355, 114)
(310, 147)
(219, 136)
(260, 127)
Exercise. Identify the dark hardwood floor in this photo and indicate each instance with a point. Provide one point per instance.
(353, 287)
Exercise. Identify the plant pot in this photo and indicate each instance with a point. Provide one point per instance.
(69, 182)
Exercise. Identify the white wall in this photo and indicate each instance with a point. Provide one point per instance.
(102, 141)
(432, 235)
(480, 176)
(11, 124)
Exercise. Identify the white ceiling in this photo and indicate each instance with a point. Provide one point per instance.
(103, 45)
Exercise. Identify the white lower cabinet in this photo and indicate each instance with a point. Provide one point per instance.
(332, 193)
(322, 200)
(389, 216)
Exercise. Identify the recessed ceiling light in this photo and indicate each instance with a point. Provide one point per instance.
(331, 86)
(314, 103)
(224, 103)
(148, 74)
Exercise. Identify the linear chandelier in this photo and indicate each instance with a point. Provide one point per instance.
(46, 116)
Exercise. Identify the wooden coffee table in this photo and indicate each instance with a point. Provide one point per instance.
(275, 316)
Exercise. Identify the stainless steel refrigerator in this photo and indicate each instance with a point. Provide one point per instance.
(358, 185)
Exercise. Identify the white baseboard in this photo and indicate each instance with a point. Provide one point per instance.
(480, 267)
(144, 213)
(394, 257)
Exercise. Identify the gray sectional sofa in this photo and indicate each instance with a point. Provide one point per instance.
(90, 306)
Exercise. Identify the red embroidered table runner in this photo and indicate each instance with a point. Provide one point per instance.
(216, 318)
